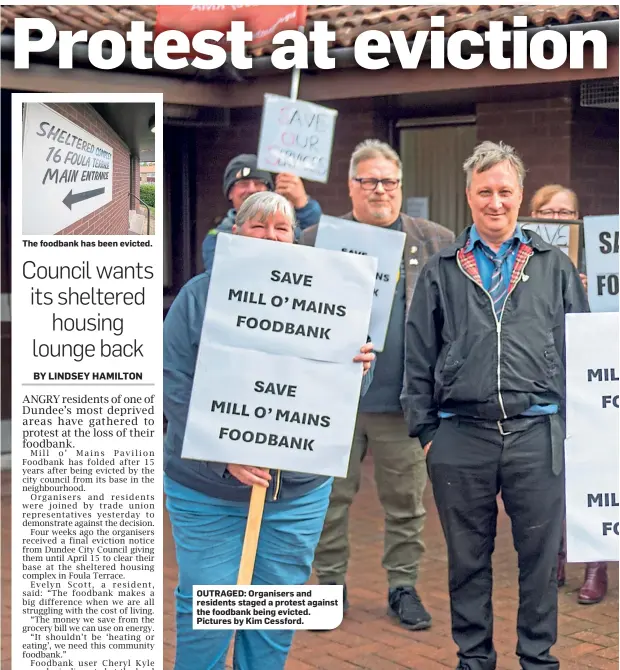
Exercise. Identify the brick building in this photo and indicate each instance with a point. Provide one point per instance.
(563, 122)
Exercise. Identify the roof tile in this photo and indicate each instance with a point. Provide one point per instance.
(348, 21)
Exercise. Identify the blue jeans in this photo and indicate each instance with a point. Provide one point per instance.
(208, 534)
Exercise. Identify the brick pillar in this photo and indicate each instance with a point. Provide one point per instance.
(594, 160)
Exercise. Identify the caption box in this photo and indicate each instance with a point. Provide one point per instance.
(275, 607)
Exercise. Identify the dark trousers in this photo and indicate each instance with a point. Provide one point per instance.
(469, 464)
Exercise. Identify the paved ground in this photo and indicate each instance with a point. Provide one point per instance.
(368, 639)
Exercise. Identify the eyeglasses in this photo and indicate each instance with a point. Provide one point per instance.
(370, 183)
(557, 213)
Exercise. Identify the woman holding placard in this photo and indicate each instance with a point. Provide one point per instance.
(560, 203)
(208, 502)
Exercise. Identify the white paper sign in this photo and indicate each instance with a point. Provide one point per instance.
(384, 245)
(67, 172)
(288, 299)
(601, 241)
(592, 437)
(275, 384)
(417, 207)
(555, 234)
(272, 411)
(296, 137)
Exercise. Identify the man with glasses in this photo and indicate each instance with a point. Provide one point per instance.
(375, 188)
(242, 178)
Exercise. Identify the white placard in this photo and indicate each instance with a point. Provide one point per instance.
(288, 299)
(306, 384)
(601, 241)
(592, 437)
(67, 171)
(555, 234)
(384, 245)
(296, 137)
(272, 411)
(417, 207)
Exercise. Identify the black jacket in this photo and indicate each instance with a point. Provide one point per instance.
(461, 359)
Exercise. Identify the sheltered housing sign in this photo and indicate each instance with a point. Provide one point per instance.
(67, 171)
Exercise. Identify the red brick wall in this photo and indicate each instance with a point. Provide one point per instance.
(540, 131)
(594, 160)
(113, 218)
(560, 143)
(215, 149)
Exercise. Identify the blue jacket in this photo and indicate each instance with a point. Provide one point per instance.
(182, 329)
(307, 216)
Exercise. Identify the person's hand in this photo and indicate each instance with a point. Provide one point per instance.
(584, 280)
(427, 446)
(366, 356)
(249, 475)
(292, 188)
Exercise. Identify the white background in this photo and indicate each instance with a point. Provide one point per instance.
(336, 279)
(384, 245)
(230, 359)
(320, 618)
(592, 436)
(228, 374)
(44, 211)
(30, 322)
(599, 263)
(278, 136)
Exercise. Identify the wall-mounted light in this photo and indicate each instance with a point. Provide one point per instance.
(152, 124)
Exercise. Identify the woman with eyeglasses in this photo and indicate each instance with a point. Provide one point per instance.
(557, 202)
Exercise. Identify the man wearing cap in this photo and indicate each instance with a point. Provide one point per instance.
(242, 178)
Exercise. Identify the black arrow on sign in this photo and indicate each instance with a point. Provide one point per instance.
(71, 198)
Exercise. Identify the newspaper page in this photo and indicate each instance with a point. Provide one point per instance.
(86, 483)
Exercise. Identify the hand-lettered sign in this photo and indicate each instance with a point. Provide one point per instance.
(602, 246)
(66, 172)
(296, 137)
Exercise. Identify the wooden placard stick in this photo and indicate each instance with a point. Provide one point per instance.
(252, 531)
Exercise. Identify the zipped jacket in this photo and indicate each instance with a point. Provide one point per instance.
(182, 330)
(463, 359)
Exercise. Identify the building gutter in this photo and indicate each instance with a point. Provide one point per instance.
(345, 56)
(262, 66)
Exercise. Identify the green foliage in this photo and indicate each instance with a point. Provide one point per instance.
(147, 194)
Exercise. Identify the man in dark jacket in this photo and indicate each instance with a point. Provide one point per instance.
(485, 379)
(375, 188)
(242, 178)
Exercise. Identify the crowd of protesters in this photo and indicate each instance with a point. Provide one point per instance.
(469, 390)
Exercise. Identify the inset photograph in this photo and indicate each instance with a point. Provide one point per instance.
(84, 167)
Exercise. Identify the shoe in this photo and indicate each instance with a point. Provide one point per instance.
(561, 577)
(594, 587)
(404, 604)
(345, 605)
